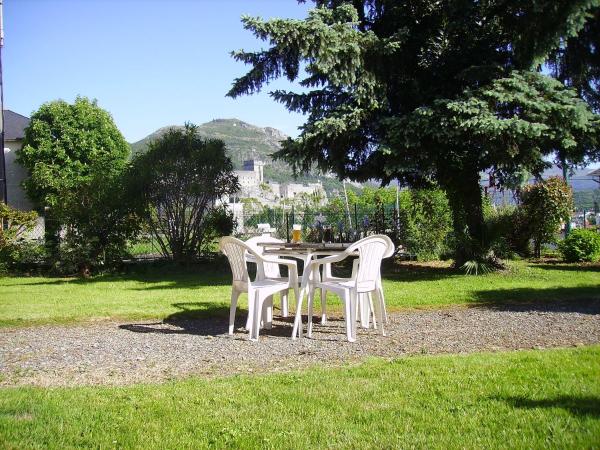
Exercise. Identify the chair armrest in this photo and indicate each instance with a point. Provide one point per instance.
(282, 261)
(291, 264)
(330, 259)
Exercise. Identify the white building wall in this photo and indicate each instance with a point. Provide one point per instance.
(15, 174)
(293, 189)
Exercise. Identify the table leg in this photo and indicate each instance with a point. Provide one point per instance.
(304, 286)
(298, 319)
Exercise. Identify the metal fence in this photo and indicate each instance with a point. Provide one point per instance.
(346, 225)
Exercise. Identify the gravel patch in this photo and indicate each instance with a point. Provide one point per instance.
(150, 351)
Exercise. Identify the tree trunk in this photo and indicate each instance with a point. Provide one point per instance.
(464, 196)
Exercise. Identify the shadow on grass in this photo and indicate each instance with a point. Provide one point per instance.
(580, 299)
(156, 276)
(569, 267)
(205, 319)
(577, 406)
(412, 271)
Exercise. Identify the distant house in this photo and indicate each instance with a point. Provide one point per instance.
(291, 190)
(14, 132)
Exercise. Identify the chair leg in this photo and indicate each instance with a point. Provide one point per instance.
(251, 294)
(380, 289)
(348, 315)
(234, 298)
(311, 298)
(354, 301)
(267, 313)
(371, 314)
(284, 304)
(256, 310)
(380, 310)
(363, 310)
(323, 306)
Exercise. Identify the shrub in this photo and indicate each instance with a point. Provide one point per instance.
(500, 226)
(545, 205)
(508, 234)
(219, 222)
(14, 224)
(424, 222)
(581, 245)
(175, 185)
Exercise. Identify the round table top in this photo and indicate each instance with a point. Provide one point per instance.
(330, 247)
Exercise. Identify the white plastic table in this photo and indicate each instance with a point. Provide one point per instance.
(304, 251)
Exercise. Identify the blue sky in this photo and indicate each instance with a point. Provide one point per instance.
(150, 63)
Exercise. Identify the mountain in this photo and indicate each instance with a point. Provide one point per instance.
(245, 141)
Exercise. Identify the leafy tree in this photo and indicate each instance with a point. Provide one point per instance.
(67, 144)
(178, 182)
(74, 153)
(427, 92)
(546, 205)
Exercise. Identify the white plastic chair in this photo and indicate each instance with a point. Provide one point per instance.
(365, 281)
(370, 312)
(270, 270)
(261, 290)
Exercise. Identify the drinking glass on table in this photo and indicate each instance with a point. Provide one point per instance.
(296, 234)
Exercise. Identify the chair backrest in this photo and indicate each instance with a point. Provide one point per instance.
(371, 251)
(391, 247)
(271, 270)
(236, 250)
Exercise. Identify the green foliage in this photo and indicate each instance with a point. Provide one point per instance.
(465, 99)
(177, 184)
(101, 218)
(546, 205)
(66, 145)
(14, 224)
(220, 222)
(424, 222)
(581, 245)
(477, 267)
(76, 157)
(507, 232)
(499, 224)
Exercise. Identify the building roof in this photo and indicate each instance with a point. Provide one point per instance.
(14, 125)
(595, 173)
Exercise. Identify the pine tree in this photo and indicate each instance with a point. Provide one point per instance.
(427, 93)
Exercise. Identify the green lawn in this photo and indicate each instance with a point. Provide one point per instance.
(160, 292)
(528, 399)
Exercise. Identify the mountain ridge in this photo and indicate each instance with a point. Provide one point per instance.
(246, 141)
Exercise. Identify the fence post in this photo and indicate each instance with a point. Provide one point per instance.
(287, 227)
(356, 219)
